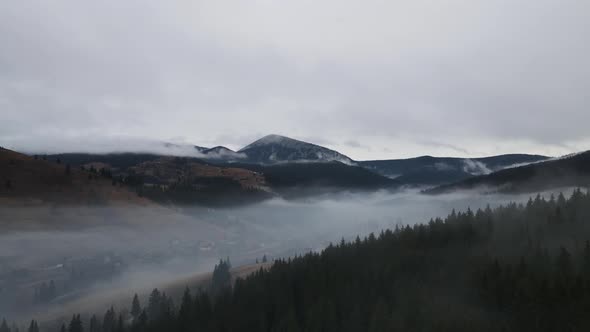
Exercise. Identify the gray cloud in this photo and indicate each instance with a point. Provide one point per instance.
(485, 77)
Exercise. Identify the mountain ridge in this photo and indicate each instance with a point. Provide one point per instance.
(429, 170)
(569, 171)
(417, 172)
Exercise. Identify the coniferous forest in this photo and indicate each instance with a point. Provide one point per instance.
(519, 267)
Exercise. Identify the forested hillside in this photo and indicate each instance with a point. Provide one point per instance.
(431, 171)
(512, 268)
(569, 171)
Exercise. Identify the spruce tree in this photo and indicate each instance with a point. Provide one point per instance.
(75, 324)
(94, 324)
(135, 307)
(4, 326)
(109, 320)
(186, 311)
(154, 307)
(33, 327)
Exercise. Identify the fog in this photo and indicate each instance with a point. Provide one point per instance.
(100, 256)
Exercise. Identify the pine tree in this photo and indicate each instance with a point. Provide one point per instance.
(120, 325)
(154, 305)
(186, 311)
(135, 307)
(109, 320)
(94, 324)
(33, 327)
(380, 320)
(141, 322)
(4, 326)
(75, 324)
(221, 276)
(564, 263)
(288, 323)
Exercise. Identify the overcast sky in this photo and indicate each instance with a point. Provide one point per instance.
(372, 79)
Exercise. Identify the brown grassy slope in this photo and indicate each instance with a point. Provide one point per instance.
(24, 178)
(168, 170)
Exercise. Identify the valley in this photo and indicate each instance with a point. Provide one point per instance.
(84, 232)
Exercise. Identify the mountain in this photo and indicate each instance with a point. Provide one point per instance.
(429, 170)
(221, 153)
(309, 165)
(200, 148)
(189, 180)
(173, 179)
(41, 179)
(273, 149)
(569, 171)
(305, 178)
(183, 179)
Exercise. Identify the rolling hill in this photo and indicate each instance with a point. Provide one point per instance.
(25, 178)
(206, 179)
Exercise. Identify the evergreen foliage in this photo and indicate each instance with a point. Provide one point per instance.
(519, 267)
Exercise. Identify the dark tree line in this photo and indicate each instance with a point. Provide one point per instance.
(519, 267)
(221, 278)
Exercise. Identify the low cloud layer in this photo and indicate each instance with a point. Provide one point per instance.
(100, 256)
(477, 78)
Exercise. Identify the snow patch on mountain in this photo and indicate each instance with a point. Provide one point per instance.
(280, 149)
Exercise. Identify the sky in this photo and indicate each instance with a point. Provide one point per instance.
(372, 79)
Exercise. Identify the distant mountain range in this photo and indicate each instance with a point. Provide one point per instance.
(274, 150)
(421, 171)
(203, 180)
(278, 165)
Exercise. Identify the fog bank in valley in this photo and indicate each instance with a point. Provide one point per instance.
(55, 260)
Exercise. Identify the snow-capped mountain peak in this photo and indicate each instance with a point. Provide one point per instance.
(273, 139)
(279, 149)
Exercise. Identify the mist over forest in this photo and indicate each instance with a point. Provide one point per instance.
(194, 238)
(87, 252)
(294, 166)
